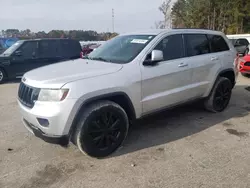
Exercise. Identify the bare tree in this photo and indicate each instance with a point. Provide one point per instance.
(165, 8)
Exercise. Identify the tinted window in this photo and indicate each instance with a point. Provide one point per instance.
(65, 48)
(197, 44)
(242, 42)
(28, 50)
(172, 47)
(75, 49)
(48, 48)
(218, 44)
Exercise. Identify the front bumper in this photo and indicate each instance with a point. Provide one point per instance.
(61, 140)
(57, 114)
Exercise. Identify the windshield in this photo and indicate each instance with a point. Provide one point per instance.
(11, 49)
(121, 49)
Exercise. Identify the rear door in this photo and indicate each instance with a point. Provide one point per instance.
(202, 62)
(25, 59)
(70, 49)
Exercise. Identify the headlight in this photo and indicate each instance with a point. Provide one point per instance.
(52, 94)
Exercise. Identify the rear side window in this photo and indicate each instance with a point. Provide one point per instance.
(76, 48)
(242, 42)
(172, 47)
(70, 48)
(48, 48)
(218, 43)
(197, 44)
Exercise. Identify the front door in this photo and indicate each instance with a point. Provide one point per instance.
(166, 83)
(23, 59)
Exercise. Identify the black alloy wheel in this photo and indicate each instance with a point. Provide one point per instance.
(102, 129)
(105, 129)
(222, 96)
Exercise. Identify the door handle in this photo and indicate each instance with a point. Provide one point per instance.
(183, 65)
(214, 58)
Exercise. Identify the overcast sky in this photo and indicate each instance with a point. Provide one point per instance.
(79, 14)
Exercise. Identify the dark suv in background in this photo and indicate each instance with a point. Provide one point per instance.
(241, 45)
(26, 55)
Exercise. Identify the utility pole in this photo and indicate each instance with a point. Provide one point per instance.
(113, 20)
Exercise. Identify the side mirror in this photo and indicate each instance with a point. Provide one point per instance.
(155, 57)
(18, 53)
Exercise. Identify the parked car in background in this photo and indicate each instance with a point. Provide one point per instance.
(26, 55)
(92, 101)
(244, 66)
(242, 45)
(87, 49)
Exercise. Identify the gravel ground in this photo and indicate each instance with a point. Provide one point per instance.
(184, 147)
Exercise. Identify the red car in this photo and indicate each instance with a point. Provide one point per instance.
(244, 66)
(88, 49)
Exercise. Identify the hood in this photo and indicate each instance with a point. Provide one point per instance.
(57, 75)
(247, 57)
(4, 58)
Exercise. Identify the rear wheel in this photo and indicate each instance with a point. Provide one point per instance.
(2, 76)
(102, 129)
(246, 52)
(245, 74)
(220, 96)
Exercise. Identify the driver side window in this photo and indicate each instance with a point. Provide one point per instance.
(172, 47)
(28, 50)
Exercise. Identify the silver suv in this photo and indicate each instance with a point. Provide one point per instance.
(91, 102)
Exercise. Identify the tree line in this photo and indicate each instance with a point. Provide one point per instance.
(228, 16)
(80, 35)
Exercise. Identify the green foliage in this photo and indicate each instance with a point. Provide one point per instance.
(229, 16)
(74, 34)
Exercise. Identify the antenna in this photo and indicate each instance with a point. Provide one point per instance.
(113, 20)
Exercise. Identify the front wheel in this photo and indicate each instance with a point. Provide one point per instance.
(102, 129)
(2, 76)
(220, 95)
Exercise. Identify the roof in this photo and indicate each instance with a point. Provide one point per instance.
(46, 39)
(160, 31)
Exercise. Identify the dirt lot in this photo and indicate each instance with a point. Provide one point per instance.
(185, 147)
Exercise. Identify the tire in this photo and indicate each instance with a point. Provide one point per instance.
(246, 52)
(101, 129)
(2, 76)
(245, 75)
(220, 95)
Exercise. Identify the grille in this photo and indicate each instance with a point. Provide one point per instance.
(27, 95)
(247, 64)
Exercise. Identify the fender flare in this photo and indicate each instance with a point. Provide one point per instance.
(82, 103)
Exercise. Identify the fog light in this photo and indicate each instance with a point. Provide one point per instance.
(43, 122)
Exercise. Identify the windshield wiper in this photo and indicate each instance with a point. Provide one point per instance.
(99, 59)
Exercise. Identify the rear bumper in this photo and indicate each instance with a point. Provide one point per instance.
(60, 140)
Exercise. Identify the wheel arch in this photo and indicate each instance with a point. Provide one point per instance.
(228, 73)
(121, 98)
(5, 72)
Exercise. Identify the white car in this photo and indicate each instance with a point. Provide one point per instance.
(92, 101)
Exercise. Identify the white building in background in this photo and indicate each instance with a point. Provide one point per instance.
(89, 42)
(246, 36)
